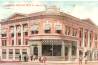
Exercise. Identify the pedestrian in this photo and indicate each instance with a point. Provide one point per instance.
(80, 60)
(19, 57)
(31, 57)
(34, 57)
(25, 59)
(40, 59)
(44, 59)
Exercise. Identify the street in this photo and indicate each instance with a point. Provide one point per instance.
(48, 63)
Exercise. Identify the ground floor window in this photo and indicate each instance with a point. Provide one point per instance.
(74, 48)
(3, 53)
(24, 52)
(51, 50)
(17, 53)
(10, 53)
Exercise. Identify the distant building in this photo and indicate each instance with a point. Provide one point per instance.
(50, 33)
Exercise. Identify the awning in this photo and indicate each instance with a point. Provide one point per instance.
(51, 42)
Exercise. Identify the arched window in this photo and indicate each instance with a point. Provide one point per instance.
(35, 28)
(58, 27)
(47, 27)
(35, 50)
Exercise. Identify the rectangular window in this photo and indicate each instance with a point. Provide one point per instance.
(34, 32)
(26, 33)
(3, 35)
(24, 51)
(4, 43)
(10, 53)
(58, 31)
(17, 53)
(19, 41)
(74, 48)
(51, 50)
(12, 34)
(26, 42)
(47, 28)
(69, 30)
(12, 42)
(74, 32)
(81, 33)
(3, 53)
(47, 31)
(19, 34)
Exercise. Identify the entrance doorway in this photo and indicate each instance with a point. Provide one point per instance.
(51, 50)
(35, 50)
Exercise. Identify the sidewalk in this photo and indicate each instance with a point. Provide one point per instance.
(64, 62)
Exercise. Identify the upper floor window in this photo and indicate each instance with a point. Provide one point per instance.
(3, 35)
(91, 35)
(86, 34)
(67, 30)
(19, 34)
(35, 28)
(3, 32)
(47, 27)
(25, 27)
(19, 41)
(4, 43)
(11, 29)
(12, 34)
(18, 28)
(58, 28)
(12, 42)
(81, 32)
(26, 42)
(26, 33)
(74, 32)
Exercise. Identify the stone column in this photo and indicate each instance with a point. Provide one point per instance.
(70, 53)
(15, 35)
(63, 49)
(21, 34)
(83, 44)
(7, 54)
(88, 39)
(83, 39)
(0, 34)
(13, 54)
(28, 52)
(39, 49)
(31, 50)
(21, 54)
(77, 51)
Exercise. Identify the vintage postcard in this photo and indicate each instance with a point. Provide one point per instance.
(48, 32)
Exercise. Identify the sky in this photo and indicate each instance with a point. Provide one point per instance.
(79, 8)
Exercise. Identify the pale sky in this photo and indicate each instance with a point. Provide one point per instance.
(78, 8)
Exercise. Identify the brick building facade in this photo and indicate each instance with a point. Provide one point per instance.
(50, 33)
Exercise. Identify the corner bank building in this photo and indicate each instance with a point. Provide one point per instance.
(50, 33)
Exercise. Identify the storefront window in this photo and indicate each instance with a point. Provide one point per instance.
(51, 50)
(74, 48)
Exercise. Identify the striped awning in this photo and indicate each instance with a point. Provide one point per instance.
(52, 42)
